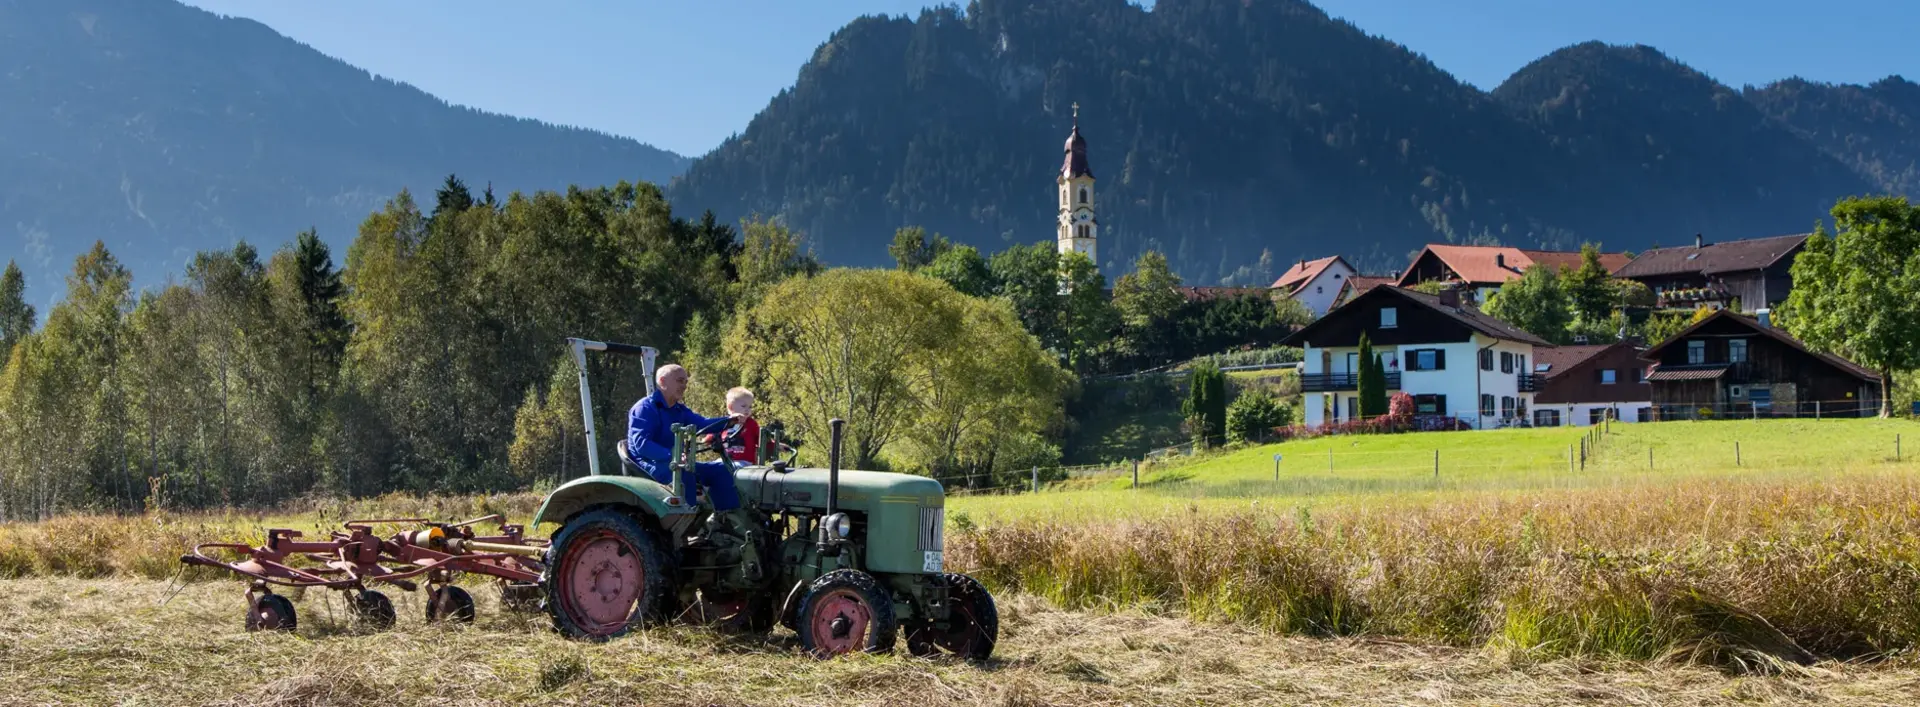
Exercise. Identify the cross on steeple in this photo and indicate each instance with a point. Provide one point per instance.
(1076, 114)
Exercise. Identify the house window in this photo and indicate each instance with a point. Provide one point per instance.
(1640, 375)
(1696, 352)
(1486, 359)
(1428, 404)
(1353, 408)
(1506, 406)
(1546, 418)
(1319, 290)
(1596, 416)
(1427, 360)
(1643, 415)
(1506, 362)
(1389, 317)
(1737, 351)
(1486, 405)
(1608, 376)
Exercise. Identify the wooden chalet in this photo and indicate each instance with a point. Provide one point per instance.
(1753, 271)
(1583, 385)
(1732, 365)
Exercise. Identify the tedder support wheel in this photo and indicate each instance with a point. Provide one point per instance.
(604, 576)
(373, 608)
(450, 603)
(973, 623)
(846, 611)
(271, 612)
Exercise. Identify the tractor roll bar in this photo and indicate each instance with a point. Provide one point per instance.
(648, 356)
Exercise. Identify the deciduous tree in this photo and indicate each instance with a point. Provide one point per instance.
(1857, 293)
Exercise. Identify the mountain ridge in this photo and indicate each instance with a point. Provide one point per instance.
(164, 129)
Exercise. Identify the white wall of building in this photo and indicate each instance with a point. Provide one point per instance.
(1461, 380)
(1579, 414)
(1320, 292)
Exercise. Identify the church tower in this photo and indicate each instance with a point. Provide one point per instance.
(1078, 226)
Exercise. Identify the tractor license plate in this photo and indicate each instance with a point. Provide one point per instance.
(932, 563)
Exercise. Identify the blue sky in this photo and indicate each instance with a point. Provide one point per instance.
(684, 75)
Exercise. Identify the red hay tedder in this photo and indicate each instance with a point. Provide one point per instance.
(350, 560)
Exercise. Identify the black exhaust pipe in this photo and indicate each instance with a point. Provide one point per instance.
(833, 466)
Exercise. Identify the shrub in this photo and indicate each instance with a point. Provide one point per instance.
(1254, 415)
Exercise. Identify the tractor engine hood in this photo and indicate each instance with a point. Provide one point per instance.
(859, 490)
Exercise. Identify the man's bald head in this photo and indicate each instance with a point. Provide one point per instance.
(671, 379)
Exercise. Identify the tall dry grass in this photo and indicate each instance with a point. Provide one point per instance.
(1740, 575)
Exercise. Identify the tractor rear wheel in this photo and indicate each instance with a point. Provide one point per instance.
(450, 603)
(605, 576)
(271, 612)
(973, 623)
(846, 611)
(374, 609)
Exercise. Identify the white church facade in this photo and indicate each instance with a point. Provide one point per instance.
(1078, 226)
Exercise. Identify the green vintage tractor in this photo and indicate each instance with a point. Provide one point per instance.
(851, 558)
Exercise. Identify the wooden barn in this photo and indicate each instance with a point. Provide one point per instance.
(1732, 365)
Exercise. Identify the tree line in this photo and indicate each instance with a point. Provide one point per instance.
(432, 359)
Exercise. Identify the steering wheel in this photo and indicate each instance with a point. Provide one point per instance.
(718, 443)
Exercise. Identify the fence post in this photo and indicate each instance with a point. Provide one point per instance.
(1329, 460)
(1816, 410)
(1136, 473)
(1736, 453)
(1583, 454)
(1649, 458)
(1036, 479)
(1896, 447)
(1436, 463)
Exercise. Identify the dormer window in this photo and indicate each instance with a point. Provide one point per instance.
(1389, 317)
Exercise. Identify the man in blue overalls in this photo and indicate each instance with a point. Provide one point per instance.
(650, 445)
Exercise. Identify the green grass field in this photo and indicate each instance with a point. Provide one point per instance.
(1401, 469)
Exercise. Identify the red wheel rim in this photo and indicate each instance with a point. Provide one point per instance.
(267, 616)
(604, 578)
(839, 623)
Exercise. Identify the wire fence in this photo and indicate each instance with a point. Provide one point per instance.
(1600, 447)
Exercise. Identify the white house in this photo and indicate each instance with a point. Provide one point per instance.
(1455, 361)
(1315, 283)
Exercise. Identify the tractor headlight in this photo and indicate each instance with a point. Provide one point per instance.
(838, 526)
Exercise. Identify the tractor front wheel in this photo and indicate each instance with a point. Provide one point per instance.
(973, 623)
(846, 611)
(605, 575)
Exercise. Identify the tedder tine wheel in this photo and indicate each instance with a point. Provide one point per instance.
(605, 577)
(846, 611)
(450, 603)
(271, 612)
(973, 623)
(373, 608)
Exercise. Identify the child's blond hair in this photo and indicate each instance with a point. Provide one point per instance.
(738, 393)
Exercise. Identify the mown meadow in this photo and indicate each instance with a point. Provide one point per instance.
(1806, 549)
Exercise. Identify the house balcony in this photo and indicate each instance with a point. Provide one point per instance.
(1528, 382)
(1340, 382)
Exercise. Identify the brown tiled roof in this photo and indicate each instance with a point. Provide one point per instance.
(1484, 263)
(1560, 359)
(1473, 318)
(1359, 284)
(1302, 273)
(1854, 369)
(1714, 258)
(1687, 373)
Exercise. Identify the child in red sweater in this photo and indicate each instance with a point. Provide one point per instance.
(743, 438)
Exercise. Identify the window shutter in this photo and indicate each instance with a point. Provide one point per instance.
(1440, 404)
(1439, 359)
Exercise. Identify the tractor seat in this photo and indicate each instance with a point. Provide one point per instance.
(629, 468)
(627, 465)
